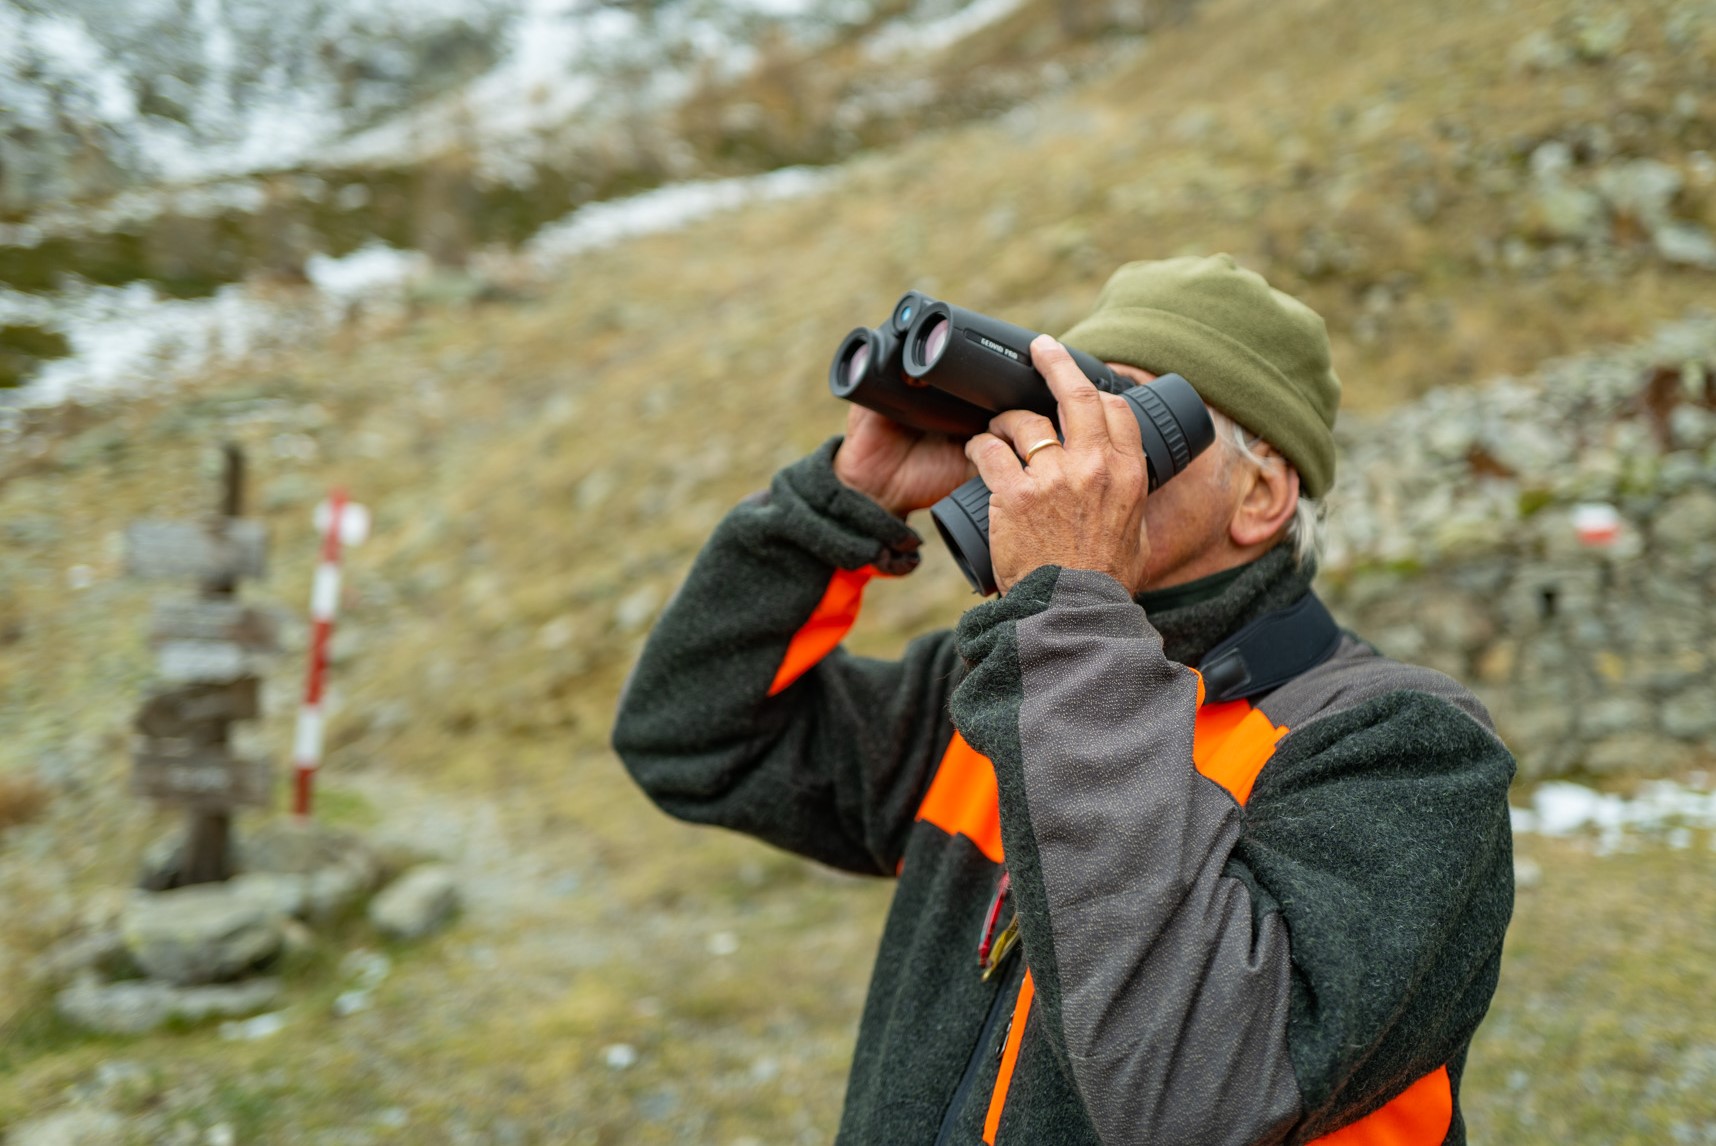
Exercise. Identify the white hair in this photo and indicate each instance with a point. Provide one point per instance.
(1305, 529)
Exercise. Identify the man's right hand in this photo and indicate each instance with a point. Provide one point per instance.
(902, 469)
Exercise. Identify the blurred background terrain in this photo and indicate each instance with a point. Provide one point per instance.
(549, 285)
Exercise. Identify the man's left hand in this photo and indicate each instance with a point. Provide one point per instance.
(1079, 504)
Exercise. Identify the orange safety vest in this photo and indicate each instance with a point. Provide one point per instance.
(1231, 742)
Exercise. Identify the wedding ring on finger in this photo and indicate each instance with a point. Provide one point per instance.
(1042, 445)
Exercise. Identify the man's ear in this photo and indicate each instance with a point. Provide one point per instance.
(1268, 503)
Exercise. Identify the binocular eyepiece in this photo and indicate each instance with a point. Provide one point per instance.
(943, 369)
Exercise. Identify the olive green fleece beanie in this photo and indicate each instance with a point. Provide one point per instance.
(1259, 356)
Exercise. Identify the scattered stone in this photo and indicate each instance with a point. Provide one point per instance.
(1635, 753)
(1540, 52)
(257, 1027)
(1641, 189)
(637, 608)
(1572, 214)
(1456, 622)
(1692, 428)
(1686, 521)
(620, 1056)
(351, 1002)
(416, 904)
(1527, 873)
(368, 969)
(1685, 244)
(201, 934)
(101, 952)
(144, 1005)
(1689, 716)
(1613, 715)
(1598, 38)
(69, 1128)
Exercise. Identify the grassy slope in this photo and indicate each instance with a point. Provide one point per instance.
(534, 466)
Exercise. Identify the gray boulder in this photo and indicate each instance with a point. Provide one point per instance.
(200, 934)
(134, 1007)
(331, 892)
(277, 892)
(101, 951)
(292, 847)
(417, 903)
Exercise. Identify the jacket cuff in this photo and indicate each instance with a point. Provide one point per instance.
(980, 628)
(837, 523)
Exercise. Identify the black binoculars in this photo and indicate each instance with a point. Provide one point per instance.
(946, 370)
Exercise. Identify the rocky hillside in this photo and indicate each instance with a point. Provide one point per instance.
(1551, 540)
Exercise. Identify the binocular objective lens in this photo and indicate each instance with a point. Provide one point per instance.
(857, 364)
(906, 314)
(935, 341)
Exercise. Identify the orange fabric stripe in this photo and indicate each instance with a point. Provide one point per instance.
(1231, 743)
(963, 800)
(1418, 1116)
(1009, 1057)
(828, 625)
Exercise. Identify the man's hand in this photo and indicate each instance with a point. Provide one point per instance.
(901, 468)
(1079, 505)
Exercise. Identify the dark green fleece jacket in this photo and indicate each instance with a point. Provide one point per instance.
(1207, 968)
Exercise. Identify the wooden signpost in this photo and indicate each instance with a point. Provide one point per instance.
(209, 650)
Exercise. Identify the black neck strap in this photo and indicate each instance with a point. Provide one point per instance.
(1270, 651)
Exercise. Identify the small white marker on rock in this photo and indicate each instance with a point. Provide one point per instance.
(1596, 524)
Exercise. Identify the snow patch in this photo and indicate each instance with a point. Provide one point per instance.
(1562, 808)
(923, 37)
(599, 225)
(369, 272)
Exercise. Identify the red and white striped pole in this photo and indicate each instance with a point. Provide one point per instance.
(340, 521)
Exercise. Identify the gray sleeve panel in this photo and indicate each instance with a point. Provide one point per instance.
(1174, 1004)
(1358, 673)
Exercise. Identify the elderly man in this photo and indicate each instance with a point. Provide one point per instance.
(1129, 910)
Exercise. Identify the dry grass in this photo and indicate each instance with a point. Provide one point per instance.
(532, 466)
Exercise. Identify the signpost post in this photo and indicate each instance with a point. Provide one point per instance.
(208, 649)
